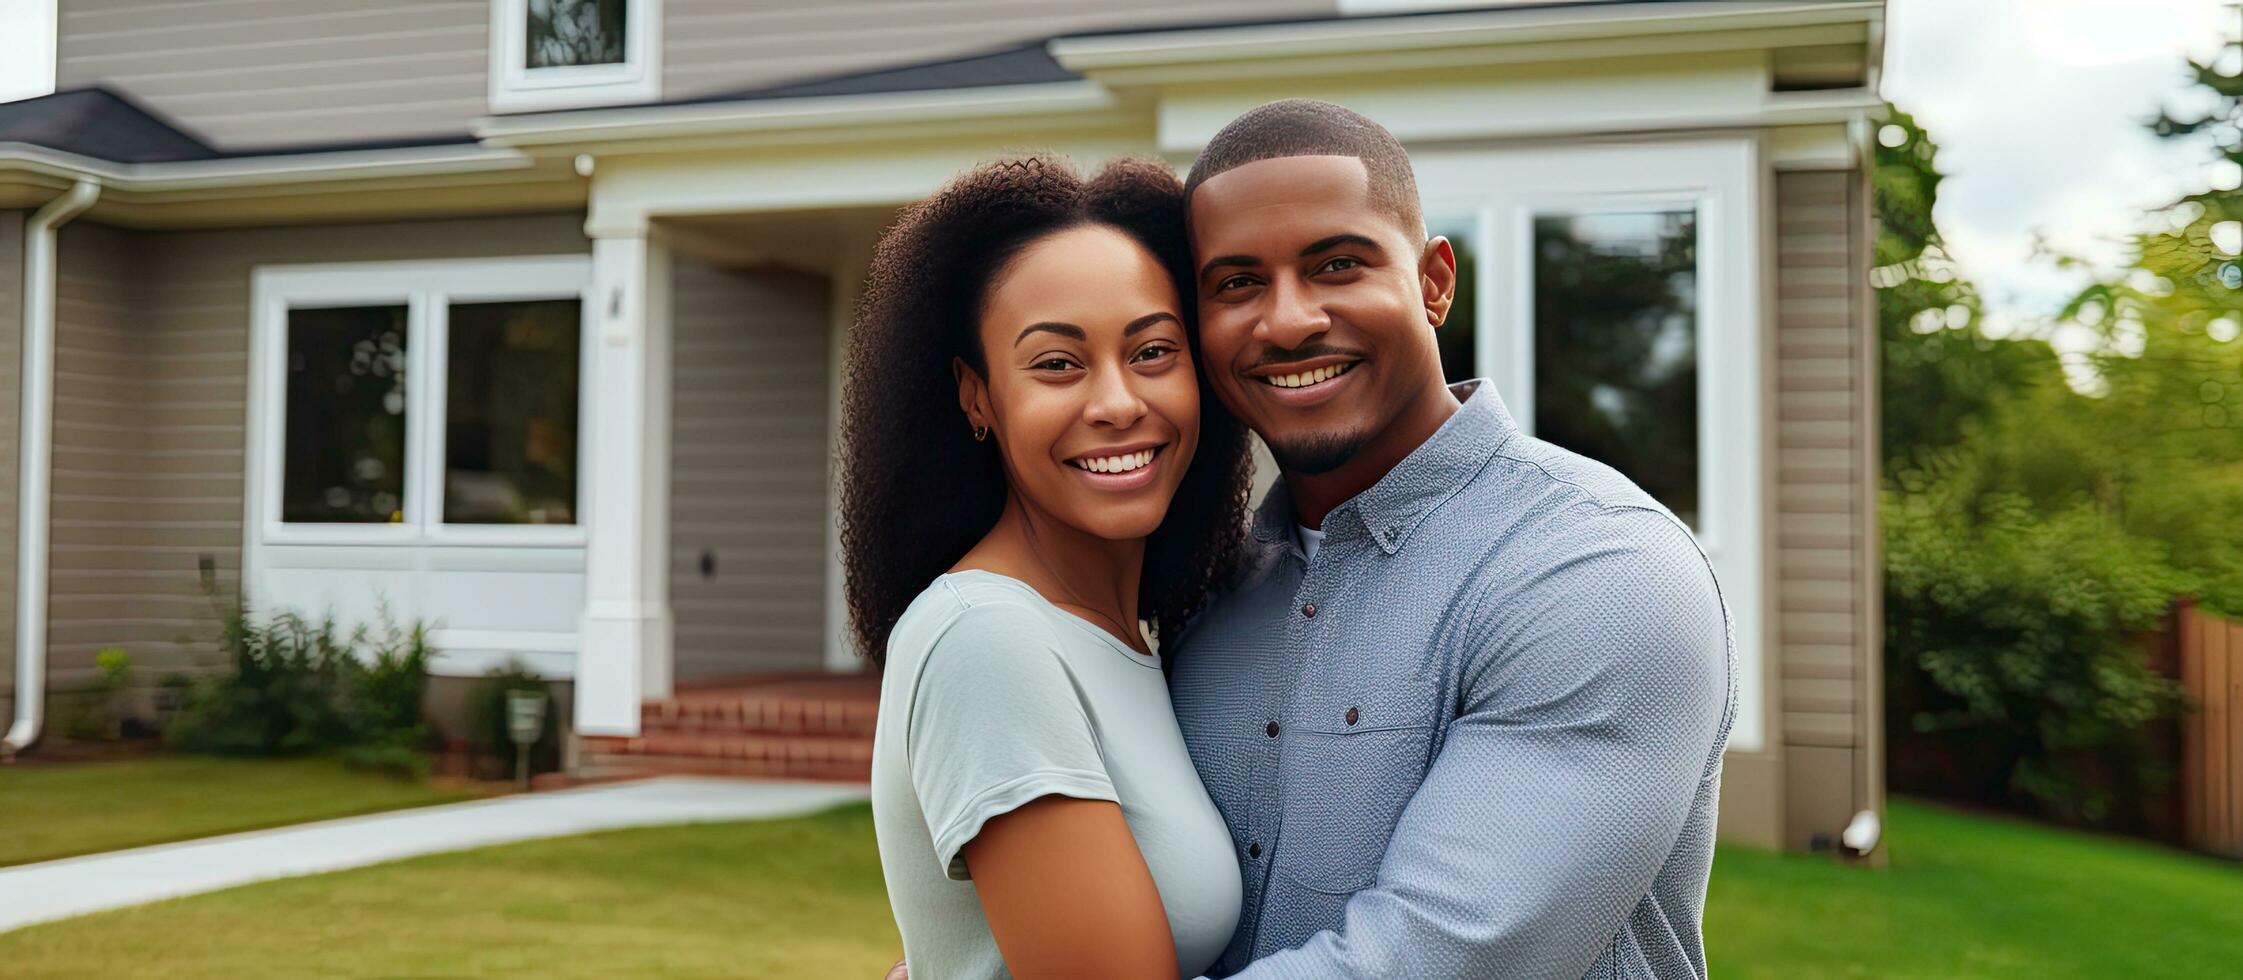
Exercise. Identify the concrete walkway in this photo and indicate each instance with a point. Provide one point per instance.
(75, 886)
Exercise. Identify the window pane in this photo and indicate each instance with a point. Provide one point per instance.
(510, 413)
(1458, 336)
(343, 442)
(1615, 345)
(574, 32)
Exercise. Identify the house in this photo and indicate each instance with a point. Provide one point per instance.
(524, 316)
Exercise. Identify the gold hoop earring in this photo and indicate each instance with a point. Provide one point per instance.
(981, 432)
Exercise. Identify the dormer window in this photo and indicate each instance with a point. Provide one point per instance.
(569, 54)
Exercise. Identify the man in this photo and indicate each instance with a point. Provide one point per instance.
(1464, 714)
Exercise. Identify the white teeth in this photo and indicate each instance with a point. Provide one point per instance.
(1117, 464)
(1305, 378)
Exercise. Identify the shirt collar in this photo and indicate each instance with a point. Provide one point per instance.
(1429, 475)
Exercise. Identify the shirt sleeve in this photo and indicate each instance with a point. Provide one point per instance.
(997, 721)
(1591, 725)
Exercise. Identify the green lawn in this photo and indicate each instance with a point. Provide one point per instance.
(52, 811)
(1964, 896)
(1969, 895)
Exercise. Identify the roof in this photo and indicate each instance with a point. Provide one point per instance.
(101, 123)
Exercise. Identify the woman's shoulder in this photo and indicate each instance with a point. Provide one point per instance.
(982, 609)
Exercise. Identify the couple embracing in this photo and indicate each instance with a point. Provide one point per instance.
(1450, 702)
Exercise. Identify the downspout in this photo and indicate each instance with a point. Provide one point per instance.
(33, 474)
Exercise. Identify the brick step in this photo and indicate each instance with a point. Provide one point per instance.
(662, 765)
(811, 756)
(847, 713)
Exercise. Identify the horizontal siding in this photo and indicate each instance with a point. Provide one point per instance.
(714, 46)
(1823, 639)
(748, 470)
(259, 72)
(150, 410)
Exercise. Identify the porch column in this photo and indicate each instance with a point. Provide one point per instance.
(625, 652)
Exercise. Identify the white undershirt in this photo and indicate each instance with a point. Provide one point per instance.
(1311, 539)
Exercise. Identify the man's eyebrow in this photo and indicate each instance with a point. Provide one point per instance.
(1229, 261)
(1148, 320)
(1334, 241)
(1062, 329)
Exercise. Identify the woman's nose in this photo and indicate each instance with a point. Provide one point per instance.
(1113, 398)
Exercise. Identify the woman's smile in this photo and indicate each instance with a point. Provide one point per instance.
(1124, 468)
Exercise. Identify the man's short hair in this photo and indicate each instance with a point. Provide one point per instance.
(1305, 128)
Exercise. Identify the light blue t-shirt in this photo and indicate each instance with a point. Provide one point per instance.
(993, 697)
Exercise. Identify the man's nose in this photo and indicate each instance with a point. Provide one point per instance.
(1293, 316)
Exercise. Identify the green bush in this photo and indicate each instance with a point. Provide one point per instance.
(292, 685)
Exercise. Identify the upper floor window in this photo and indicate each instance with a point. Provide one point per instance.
(566, 54)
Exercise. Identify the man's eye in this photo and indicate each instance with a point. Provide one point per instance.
(1234, 282)
(1341, 263)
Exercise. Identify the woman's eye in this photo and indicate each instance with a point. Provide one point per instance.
(1154, 352)
(1052, 364)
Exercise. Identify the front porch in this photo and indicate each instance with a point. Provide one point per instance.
(795, 726)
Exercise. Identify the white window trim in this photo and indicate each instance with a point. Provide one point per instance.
(427, 289)
(515, 87)
(1373, 8)
(1502, 192)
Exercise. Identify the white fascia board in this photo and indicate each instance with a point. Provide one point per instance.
(1098, 55)
(266, 171)
(858, 113)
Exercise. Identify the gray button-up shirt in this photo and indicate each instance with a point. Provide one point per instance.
(1480, 734)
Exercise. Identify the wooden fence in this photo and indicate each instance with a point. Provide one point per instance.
(2211, 777)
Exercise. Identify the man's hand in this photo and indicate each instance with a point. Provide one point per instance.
(898, 972)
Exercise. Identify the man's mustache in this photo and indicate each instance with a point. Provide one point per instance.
(1275, 357)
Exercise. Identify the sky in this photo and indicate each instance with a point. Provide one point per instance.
(2037, 105)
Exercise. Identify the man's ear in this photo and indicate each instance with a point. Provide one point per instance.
(1436, 276)
(973, 394)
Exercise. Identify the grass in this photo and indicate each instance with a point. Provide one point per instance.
(54, 811)
(1965, 896)
(1970, 895)
(794, 898)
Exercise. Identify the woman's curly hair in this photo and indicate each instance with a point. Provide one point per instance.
(918, 491)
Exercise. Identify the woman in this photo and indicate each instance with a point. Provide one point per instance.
(1033, 468)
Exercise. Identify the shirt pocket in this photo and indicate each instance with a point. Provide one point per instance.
(1353, 765)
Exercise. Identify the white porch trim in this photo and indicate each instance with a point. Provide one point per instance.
(627, 651)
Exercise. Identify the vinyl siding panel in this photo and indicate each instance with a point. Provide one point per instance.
(151, 406)
(748, 470)
(711, 46)
(247, 73)
(1824, 487)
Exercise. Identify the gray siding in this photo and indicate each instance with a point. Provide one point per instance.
(713, 46)
(748, 470)
(151, 387)
(258, 72)
(1826, 573)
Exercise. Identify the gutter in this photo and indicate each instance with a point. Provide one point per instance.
(34, 475)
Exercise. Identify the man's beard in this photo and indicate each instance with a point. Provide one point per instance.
(1317, 453)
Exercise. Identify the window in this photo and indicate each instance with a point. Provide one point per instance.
(420, 402)
(565, 54)
(1616, 345)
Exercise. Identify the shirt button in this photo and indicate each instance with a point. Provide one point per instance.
(1351, 716)
(1271, 730)
(1308, 609)
(1254, 850)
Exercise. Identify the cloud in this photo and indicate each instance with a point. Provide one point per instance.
(2039, 107)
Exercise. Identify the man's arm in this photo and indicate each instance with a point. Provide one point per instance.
(1585, 730)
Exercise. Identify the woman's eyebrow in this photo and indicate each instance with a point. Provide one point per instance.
(1148, 320)
(1062, 329)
